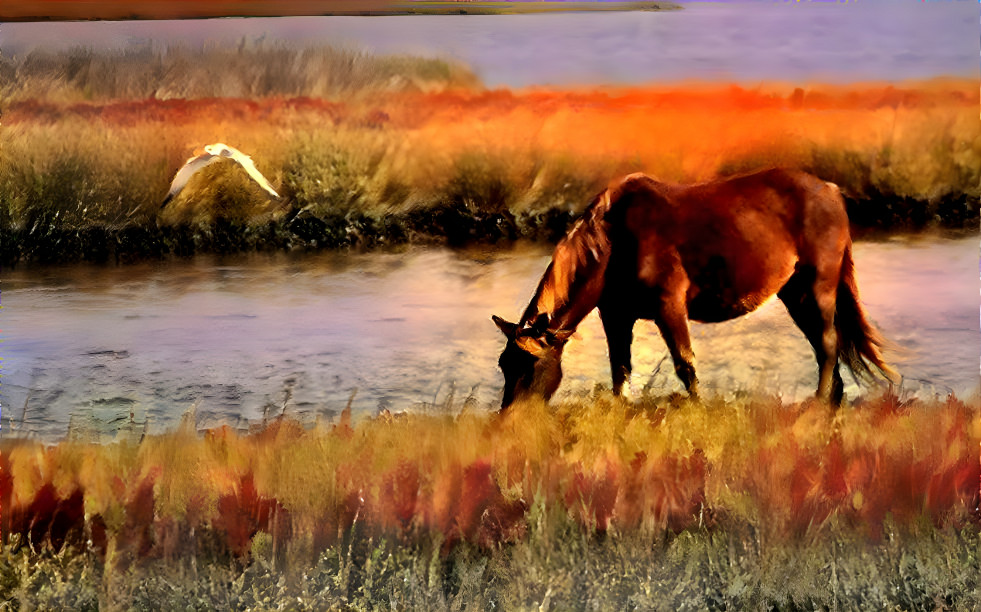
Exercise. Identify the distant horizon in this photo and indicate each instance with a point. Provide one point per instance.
(60, 10)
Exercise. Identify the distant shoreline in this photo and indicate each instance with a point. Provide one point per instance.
(82, 10)
(422, 7)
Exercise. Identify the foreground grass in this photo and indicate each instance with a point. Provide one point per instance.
(595, 503)
(558, 569)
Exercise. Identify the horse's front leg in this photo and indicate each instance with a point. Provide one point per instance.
(619, 329)
(672, 321)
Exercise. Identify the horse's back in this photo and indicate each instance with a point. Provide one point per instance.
(775, 204)
(736, 240)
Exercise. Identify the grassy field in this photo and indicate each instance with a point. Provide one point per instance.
(596, 503)
(376, 150)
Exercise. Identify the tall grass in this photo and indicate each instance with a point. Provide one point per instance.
(252, 70)
(598, 502)
(360, 165)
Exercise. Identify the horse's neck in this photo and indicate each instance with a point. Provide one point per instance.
(571, 286)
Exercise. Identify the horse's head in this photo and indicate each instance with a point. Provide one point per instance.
(532, 359)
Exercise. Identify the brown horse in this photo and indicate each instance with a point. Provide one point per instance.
(709, 252)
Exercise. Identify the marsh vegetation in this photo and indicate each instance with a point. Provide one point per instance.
(660, 503)
(380, 150)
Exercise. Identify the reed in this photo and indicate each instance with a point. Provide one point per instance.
(84, 180)
(250, 70)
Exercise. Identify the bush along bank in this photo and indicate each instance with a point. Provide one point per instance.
(305, 231)
(448, 224)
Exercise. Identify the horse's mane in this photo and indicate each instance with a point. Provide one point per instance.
(578, 253)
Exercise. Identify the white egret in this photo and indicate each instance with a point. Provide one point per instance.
(209, 155)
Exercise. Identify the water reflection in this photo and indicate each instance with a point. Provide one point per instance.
(240, 337)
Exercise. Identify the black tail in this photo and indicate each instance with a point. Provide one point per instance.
(859, 343)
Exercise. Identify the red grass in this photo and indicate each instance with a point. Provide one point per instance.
(800, 468)
(414, 110)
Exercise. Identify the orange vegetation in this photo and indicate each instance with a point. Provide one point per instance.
(413, 110)
(646, 467)
(921, 140)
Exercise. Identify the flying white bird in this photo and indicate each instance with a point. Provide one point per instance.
(209, 155)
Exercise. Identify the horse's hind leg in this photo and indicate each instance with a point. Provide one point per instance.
(811, 304)
(672, 321)
(619, 329)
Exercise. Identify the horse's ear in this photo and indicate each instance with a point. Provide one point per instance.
(507, 328)
(532, 346)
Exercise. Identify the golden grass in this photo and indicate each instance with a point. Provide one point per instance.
(662, 503)
(401, 146)
(249, 71)
(607, 464)
(521, 152)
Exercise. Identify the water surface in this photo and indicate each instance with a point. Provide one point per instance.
(237, 337)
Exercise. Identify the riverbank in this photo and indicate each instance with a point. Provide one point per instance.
(509, 7)
(452, 165)
(656, 503)
(371, 150)
(443, 226)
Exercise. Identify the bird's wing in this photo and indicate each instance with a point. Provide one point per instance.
(187, 170)
(211, 154)
(246, 162)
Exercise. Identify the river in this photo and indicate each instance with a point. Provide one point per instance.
(86, 348)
